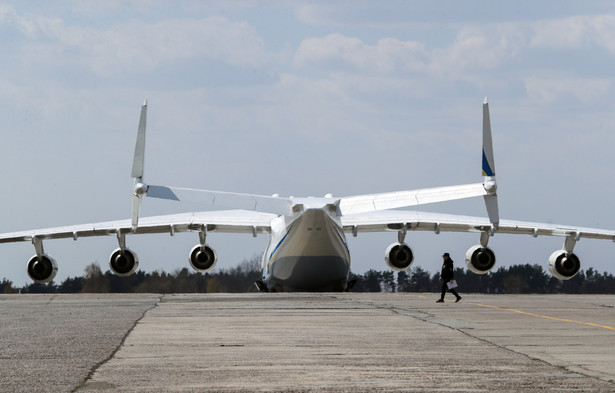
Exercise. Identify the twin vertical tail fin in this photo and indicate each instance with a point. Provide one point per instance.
(138, 162)
(488, 167)
(488, 163)
(491, 200)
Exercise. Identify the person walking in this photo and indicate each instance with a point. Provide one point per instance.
(447, 275)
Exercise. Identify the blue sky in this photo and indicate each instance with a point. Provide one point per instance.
(305, 99)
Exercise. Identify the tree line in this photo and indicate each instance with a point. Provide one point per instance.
(516, 279)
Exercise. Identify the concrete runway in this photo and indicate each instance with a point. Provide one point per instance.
(306, 343)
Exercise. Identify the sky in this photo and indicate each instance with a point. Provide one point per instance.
(305, 99)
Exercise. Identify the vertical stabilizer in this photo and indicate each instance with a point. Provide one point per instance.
(491, 200)
(139, 156)
(137, 167)
(488, 162)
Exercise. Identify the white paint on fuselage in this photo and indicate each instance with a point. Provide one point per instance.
(315, 230)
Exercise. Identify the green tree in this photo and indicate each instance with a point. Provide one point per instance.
(388, 281)
(372, 281)
(71, 285)
(419, 280)
(94, 280)
(126, 284)
(242, 277)
(6, 286)
(34, 287)
(574, 285)
(514, 283)
(403, 281)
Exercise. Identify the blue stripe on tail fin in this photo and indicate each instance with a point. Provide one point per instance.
(487, 171)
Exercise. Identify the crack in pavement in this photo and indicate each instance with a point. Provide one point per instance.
(432, 319)
(84, 384)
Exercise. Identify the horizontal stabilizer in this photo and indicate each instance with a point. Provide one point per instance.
(161, 192)
(223, 200)
(394, 200)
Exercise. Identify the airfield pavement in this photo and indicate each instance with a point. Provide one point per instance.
(347, 342)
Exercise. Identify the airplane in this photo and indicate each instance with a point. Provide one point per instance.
(307, 249)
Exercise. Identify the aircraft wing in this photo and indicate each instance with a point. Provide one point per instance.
(391, 220)
(228, 221)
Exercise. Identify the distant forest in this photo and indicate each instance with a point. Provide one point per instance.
(517, 279)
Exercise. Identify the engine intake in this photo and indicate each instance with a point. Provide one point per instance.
(123, 262)
(479, 259)
(203, 258)
(42, 269)
(564, 265)
(398, 256)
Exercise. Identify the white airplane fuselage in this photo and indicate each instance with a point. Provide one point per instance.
(307, 251)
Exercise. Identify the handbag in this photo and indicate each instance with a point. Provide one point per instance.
(451, 284)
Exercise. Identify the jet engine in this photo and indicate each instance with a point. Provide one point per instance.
(564, 265)
(203, 258)
(479, 259)
(123, 262)
(42, 269)
(398, 256)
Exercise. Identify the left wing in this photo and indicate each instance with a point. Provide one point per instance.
(229, 221)
(42, 268)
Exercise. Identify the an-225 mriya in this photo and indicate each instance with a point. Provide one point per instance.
(307, 250)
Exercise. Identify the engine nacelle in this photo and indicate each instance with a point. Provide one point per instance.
(203, 258)
(42, 269)
(564, 265)
(123, 262)
(398, 256)
(479, 259)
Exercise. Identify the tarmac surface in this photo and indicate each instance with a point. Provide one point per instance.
(347, 342)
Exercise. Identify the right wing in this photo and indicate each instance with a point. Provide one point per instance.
(563, 263)
(390, 220)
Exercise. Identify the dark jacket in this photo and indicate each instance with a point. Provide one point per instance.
(447, 273)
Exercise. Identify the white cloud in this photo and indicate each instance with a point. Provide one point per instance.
(338, 51)
(475, 47)
(559, 34)
(318, 14)
(552, 88)
(7, 13)
(575, 32)
(604, 31)
(485, 47)
(137, 46)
